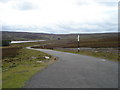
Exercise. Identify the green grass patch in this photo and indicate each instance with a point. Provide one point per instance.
(17, 70)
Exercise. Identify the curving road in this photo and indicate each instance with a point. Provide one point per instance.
(75, 71)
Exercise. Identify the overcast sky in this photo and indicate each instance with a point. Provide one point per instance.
(59, 16)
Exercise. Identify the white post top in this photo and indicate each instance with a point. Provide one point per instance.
(78, 37)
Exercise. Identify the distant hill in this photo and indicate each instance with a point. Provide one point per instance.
(33, 36)
(23, 36)
(97, 39)
(44, 36)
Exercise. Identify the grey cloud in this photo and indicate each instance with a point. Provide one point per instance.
(99, 27)
(6, 27)
(102, 2)
(109, 3)
(4, 1)
(25, 6)
(69, 28)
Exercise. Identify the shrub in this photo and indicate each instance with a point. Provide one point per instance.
(5, 43)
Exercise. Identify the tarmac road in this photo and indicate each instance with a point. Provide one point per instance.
(75, 71)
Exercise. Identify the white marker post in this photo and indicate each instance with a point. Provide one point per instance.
(78, 43)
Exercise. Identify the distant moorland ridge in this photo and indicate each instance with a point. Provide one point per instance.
(45, 36)
(93, 40)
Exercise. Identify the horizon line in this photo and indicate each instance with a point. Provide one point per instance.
(60, 33)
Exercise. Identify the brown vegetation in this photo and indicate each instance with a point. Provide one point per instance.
(10, 52)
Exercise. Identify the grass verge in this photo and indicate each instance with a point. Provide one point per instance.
(17, 70)
(99, 54)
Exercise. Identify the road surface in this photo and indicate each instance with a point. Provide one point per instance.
(76, 71)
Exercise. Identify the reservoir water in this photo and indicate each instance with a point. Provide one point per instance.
(26, 41)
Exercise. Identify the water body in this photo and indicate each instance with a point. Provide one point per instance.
(26, 41)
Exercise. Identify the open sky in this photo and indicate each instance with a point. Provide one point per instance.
(59, 16)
